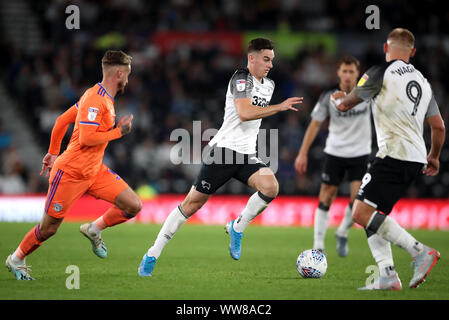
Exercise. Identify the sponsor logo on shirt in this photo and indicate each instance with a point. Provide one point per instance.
(92, 113)
(240, 85)
(362, 80)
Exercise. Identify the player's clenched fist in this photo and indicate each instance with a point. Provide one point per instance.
(336, 100)
(125, 124)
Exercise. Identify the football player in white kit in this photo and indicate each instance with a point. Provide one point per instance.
(233, 153)
(348, 146)
(402, 101)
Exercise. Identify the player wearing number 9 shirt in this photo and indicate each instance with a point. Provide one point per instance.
(402, 101)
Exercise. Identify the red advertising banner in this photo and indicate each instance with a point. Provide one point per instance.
(229, 42)
(283, 211)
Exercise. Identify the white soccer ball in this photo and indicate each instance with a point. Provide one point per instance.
(311, 263)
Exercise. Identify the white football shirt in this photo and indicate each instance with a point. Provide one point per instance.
(234, 134)
(349, 132)
(402, 100)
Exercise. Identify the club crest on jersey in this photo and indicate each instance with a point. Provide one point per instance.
(362, 80)
(240, 85)
(57, 207)
(92, 113)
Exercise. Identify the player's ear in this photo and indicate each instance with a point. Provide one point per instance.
(250, 57)
(385, 47)
(412, 54)
(119, 73)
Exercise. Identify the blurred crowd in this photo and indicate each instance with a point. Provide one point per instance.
(169, 91)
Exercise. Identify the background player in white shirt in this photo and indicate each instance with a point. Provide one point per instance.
(348, 146)
(233, 153)
(402, 101)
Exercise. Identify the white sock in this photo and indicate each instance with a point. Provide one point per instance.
(174, 221)
(320, 227)
(17, 261)
(381, 250)
(390, 230)
(346, 223)
(253, 208)
(93, 229)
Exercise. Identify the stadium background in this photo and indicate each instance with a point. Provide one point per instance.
(184, 53)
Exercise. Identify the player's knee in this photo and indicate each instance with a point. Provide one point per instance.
(270, 189)
(135, 206)
(327, 194)
(356, 216)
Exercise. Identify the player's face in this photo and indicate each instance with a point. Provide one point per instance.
(123, 74)
(348, 74)
(262, 62)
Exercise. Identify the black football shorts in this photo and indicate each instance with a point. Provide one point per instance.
(224, 164)
(334, 169)
(387, 181)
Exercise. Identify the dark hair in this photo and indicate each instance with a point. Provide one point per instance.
(260, 44)
(348, 60)
(113, 58)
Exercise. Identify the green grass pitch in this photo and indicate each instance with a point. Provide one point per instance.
(196, 265)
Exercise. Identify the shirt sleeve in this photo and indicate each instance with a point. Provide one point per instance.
(432, 109)
(60, 128)
(370, 83)
(321, 110)
(91, 112)
(241, 84)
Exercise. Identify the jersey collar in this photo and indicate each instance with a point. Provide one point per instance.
(106, 91)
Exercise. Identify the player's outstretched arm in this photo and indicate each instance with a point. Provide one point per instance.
(309, 137)
(438, 135)
(247, 111)
(345, 102)
(57, 134)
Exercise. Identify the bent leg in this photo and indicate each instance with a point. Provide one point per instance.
(176, 219)
(126, 206)
(110, 187)
(35, 237)
(63, 191)
(267, 186)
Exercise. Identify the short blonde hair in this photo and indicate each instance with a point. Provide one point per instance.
(402, 36)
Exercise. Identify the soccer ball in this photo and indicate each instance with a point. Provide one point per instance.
(311, 263)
